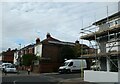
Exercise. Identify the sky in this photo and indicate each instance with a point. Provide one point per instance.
(23, 22)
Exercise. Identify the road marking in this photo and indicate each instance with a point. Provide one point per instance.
(14, 82)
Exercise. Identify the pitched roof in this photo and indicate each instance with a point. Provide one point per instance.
(50, 39)
(62, 43)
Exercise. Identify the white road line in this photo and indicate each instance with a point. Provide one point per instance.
(14, 82)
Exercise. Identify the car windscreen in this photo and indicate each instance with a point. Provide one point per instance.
(66, 63)
(10, 66)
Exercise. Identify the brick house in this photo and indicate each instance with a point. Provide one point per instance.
(49, 51)
(29, 49)
(8, 56)
(49, 54)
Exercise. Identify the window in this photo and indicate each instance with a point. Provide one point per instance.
(71, 63)
(116, 22)
(113, 67)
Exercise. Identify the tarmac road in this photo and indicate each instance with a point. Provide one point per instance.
(43, 78)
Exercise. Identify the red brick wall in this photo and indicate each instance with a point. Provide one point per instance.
(8, 56)
(48, 67)
(51, 51)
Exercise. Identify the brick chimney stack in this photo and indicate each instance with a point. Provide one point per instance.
(37, 41)
(76, 42)
(9, 49)
(48, 35)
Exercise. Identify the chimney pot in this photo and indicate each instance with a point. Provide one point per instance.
(48, 35)
(77, 41)
(37, 41)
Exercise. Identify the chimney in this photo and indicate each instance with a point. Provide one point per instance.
(48, 35)
(76, 42)
(37, 41)
(9, 49)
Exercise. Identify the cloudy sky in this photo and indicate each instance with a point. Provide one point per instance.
(23, 22)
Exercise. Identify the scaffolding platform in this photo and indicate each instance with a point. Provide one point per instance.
(114, 29)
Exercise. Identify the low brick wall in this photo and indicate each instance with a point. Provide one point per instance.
(36, 68)
(46, 67)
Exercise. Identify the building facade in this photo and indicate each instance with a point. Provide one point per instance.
(107, 39)
(8, 56)
(49, 52)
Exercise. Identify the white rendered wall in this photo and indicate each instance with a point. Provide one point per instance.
(119, 69)
(100, 76)
(114, 46)
(38, 50)
(15, 57)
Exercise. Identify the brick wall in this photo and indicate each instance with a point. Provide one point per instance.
(8, 56)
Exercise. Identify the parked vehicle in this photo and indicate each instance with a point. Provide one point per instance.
(4, 65)
(95, 65)
(72, 65)
(10, 69)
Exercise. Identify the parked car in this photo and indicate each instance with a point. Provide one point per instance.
(4, 65)
(10, 69)
(95, 65)
(72, 65)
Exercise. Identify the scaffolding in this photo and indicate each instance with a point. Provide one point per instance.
(111, 35)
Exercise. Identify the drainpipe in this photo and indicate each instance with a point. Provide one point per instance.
(108, 61)
(108, 65)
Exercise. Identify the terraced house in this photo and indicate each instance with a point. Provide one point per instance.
(50, 53)
(8, 55)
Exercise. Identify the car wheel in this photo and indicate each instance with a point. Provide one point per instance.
(68, 71)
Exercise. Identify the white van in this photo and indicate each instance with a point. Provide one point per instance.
(73, 65)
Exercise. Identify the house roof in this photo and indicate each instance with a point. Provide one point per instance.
(113, 29)
(28, 46)
(62, 43)
(50, 39)
(111, 17)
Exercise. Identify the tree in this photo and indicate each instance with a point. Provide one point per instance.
(28, 59)
(80, 49)
(77, 49)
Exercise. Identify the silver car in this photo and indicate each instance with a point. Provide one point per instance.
(10, 69)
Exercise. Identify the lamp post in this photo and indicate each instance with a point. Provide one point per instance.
(81, 57)
(19, 57)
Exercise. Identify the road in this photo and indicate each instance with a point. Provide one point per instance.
(43, 78)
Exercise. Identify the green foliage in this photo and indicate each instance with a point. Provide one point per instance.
(77, 49)
(28, 59)
(71, 52)
(67, 52)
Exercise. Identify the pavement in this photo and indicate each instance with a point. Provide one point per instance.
(20, 73)
(64, 81)
(74, 81)
(70, 80)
